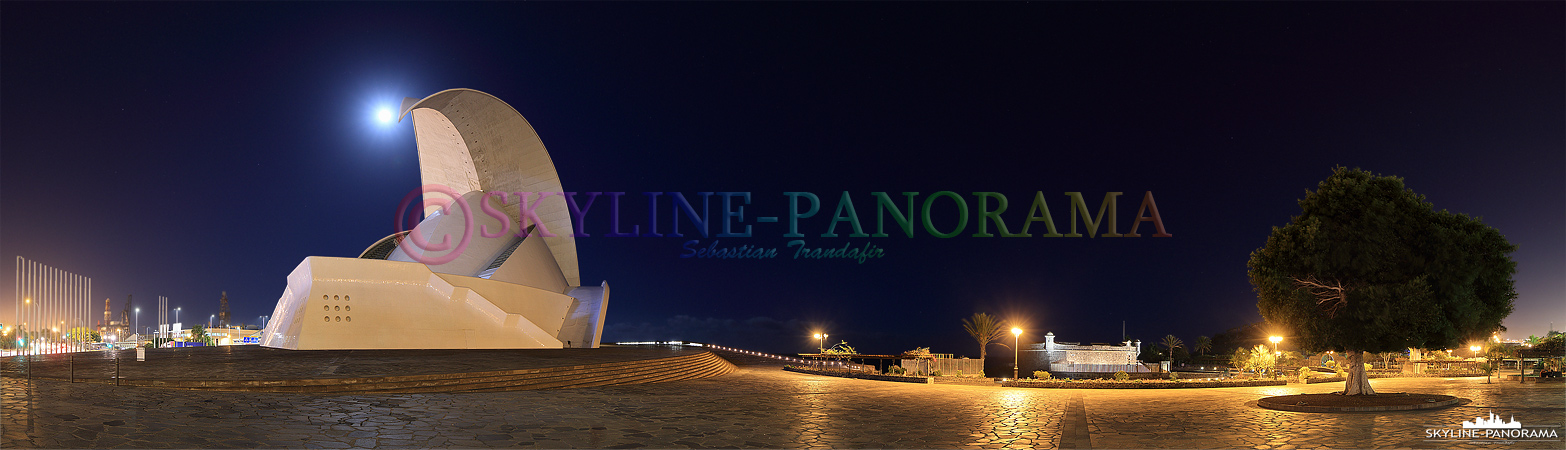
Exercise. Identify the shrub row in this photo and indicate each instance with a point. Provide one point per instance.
(1142, 384)
(1326, 380)
(859, 375)
(966, 381)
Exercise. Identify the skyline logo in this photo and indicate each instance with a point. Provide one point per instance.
(879, 215)
(1492, 429)
(1493, 422)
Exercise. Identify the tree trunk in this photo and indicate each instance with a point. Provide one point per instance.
(1358, 383)
(982, 355)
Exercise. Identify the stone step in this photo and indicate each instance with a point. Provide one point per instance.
(702, 368)
(429, 378)
(691, 370)
(700, 365)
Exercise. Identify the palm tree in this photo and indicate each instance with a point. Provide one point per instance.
(985, 329)
(1203, 344)
(1171, 342)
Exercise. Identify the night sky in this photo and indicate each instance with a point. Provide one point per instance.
(187, 149)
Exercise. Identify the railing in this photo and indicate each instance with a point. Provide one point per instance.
(1097, 368)
(780, 358)
(946, 367)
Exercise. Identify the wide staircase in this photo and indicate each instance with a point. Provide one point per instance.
(682, 367)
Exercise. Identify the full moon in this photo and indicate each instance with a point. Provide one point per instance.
(385, 115)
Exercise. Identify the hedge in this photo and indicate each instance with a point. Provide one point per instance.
(1148, 384)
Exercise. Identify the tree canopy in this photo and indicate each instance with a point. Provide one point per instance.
(1369, 265)
(985, 329)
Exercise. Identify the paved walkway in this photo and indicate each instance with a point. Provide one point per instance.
(254, 362)
(757, 407)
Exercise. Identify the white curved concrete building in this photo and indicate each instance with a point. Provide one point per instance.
(507, 291)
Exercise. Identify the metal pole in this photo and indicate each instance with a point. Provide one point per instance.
(26, 295)
(32, 307)
(49, 292)
(68, 291)
(49, 295)
(70, 319)
(68, 296)
(18, 287)
(59, 308)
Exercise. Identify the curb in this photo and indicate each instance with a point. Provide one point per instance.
(1450, 401)
(1133, 385)
(862, 376)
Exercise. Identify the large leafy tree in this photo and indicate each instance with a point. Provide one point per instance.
(1370, 266)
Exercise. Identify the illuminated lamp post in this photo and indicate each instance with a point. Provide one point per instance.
(1016, 352)
(1275, 353)
(820, 347)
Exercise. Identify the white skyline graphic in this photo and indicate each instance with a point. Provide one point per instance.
(1493, 422)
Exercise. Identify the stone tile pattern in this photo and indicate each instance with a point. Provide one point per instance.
(756, 407)
(250, 362)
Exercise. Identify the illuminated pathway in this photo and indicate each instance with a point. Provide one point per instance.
(759, 406)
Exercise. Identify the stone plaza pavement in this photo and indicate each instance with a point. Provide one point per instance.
(757, 407)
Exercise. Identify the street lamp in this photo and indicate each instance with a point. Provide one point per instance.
(1474, 349)
(209, 320)
(1016, 352)
(820, 346)
(1275, 340)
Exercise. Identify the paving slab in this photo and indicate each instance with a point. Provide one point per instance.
(756, 407)
(251, 362)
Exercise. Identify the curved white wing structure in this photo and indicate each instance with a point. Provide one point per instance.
(516, 290)
(472, 141)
